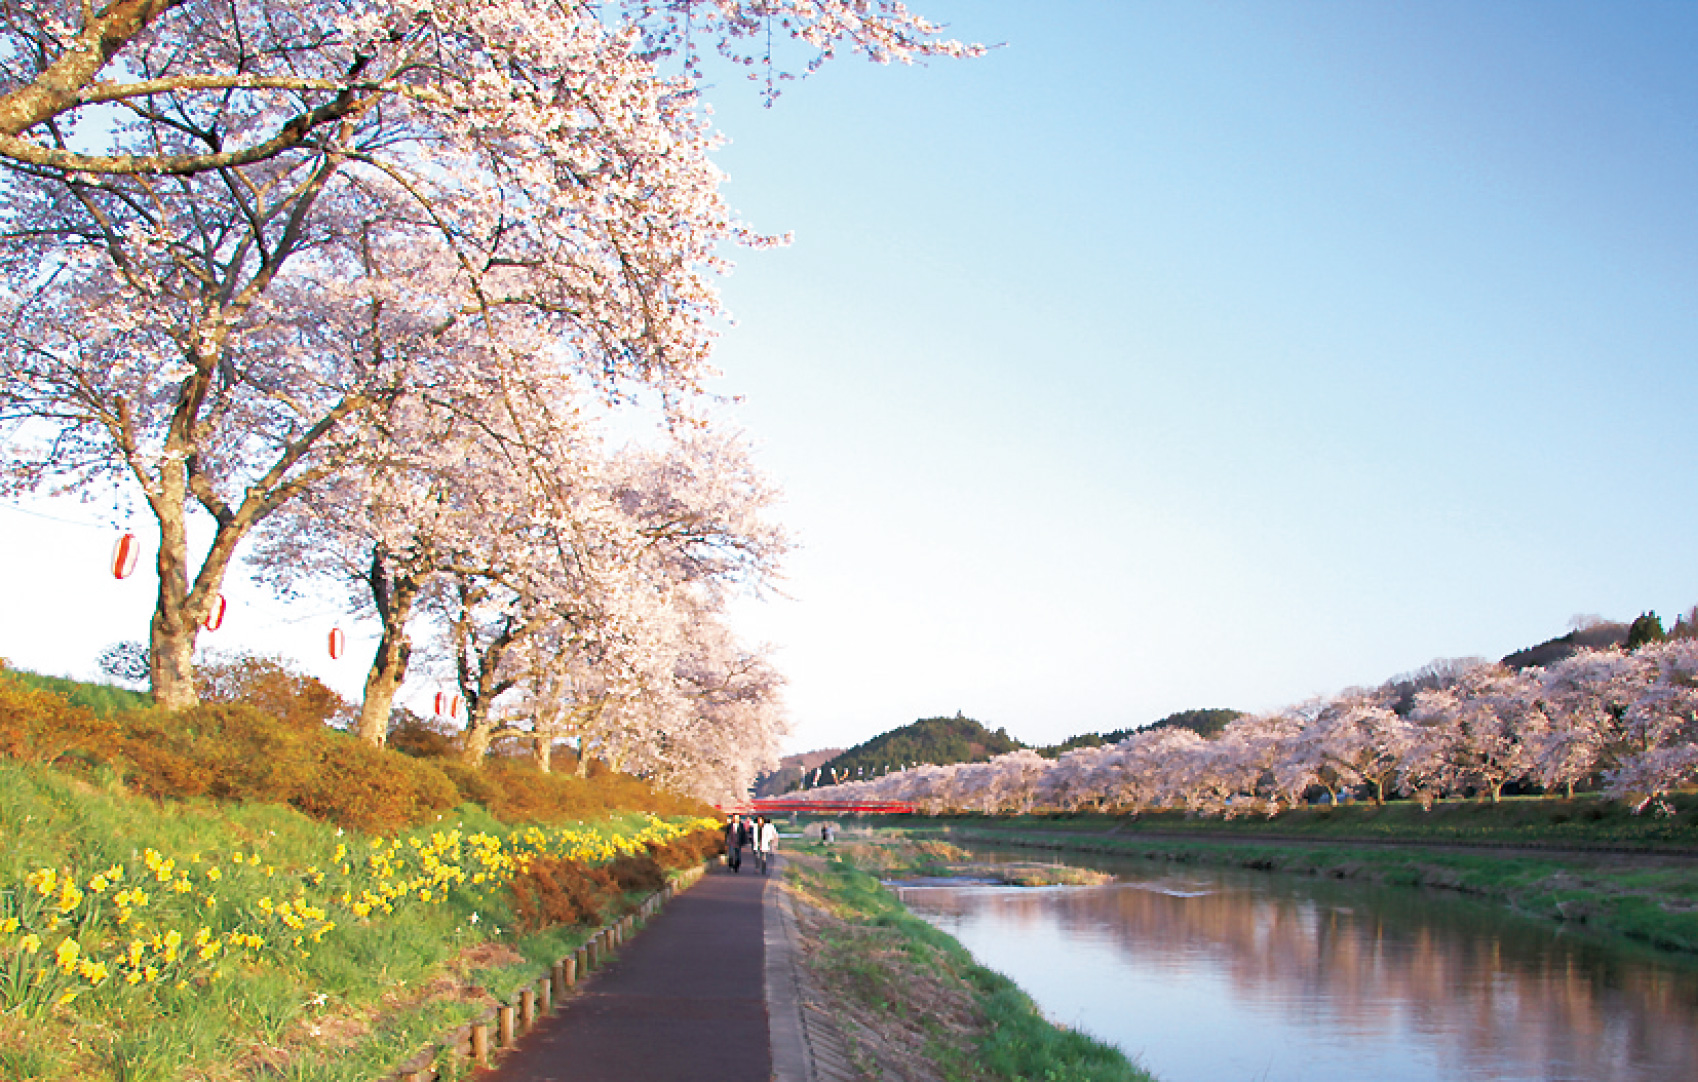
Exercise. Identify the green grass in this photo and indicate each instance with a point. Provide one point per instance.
(103, 699)
(1586, 821)
(1014, 1040)
(344, 1009)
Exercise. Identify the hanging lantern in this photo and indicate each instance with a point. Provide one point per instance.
(447, 704)
(125, 552)
(215, 615)
(338, 643)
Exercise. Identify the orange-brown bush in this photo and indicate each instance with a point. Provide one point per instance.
(273, 746)
(516, 791)
(689, 850)
(637, 873)
(294, 698)
(559, 891)
(41, 727)
(420, 737)
(234, 751)
(366, 788)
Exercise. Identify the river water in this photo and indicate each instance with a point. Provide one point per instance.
(1208, 975)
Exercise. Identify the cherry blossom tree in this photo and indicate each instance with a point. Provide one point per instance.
(1660, 729)
(1364, 740)
(1581, 728)
(235, 229)
(1473, 733)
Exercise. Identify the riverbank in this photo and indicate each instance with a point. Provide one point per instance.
(1640, 895)
(1588, 823)
(910, 1002)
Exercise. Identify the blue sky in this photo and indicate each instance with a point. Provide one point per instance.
(1179, 355)
(1182, 355)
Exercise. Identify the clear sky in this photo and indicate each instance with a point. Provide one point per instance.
(1176, 355)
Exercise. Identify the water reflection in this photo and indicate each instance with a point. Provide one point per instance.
(1219, 977)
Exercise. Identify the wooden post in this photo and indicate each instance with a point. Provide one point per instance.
(569, 973)
(527, 1009)
(504, 1018)
(545, 992)
(480, 1044)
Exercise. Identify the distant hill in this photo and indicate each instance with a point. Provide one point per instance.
(930, 740)
(960, 740)
(1205, 723)
(1597, 636)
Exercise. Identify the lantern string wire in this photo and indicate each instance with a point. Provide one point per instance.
(52, 518)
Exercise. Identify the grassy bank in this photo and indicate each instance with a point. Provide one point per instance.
(911, 1000)
(147, 941)
(1584, 822)
(1643, 898)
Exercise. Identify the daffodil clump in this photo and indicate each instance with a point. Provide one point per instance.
(190, 918)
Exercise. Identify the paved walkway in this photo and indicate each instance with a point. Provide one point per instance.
(685, 1000)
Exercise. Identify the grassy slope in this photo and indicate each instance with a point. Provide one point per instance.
(902, 988)
(104, 699)
(349, 1006)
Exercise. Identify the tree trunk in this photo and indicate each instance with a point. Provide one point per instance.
(170, 659)
(174, 628)
(394, 601)
(479, 735)
(383, 682)
(542, 752)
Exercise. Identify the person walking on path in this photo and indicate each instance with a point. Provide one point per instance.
(683, 1001)
(766, 842)
(736, 836)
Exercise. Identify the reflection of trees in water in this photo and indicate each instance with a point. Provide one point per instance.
(1481, 989)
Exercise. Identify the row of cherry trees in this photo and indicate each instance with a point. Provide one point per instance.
(1625, 723)
(359, 276)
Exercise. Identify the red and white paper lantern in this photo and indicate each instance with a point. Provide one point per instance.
(447, 704)
(125, 552)
(338, 643)
(215, 615)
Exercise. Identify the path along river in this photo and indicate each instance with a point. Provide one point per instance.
(1212, 975)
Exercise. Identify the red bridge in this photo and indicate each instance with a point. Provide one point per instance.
(781, 806)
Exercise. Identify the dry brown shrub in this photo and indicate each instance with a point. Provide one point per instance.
(638, 873)
(237, 752)
(559, 891)
(688, 851)
(270, 685)
(39, 726)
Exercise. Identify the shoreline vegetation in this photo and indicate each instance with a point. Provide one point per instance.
(910, 1001)
(1569, 862)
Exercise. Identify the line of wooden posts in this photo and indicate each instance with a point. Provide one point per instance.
(502, 1026)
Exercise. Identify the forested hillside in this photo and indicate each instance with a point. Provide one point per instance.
(929, 740)
(946, 741)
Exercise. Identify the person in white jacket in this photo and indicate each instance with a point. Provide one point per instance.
(766, 843)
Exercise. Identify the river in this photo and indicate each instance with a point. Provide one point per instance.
(1220, 975)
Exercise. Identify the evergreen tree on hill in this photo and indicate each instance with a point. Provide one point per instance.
(1648, 628)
